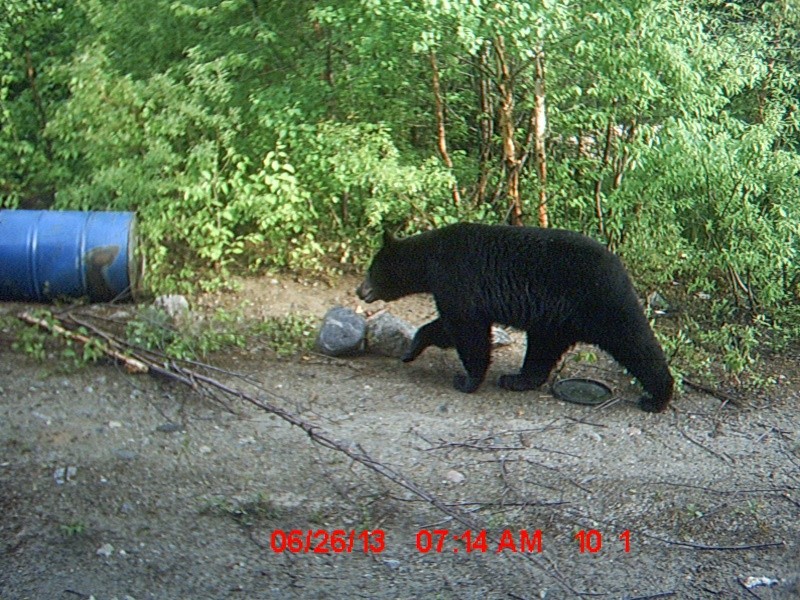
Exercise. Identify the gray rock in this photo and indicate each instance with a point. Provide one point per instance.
(388, 335)
(64, 474)
(175, 305)
(342, 332)
(500, 337)
(123, 454)
(169, 427)
(658, 303)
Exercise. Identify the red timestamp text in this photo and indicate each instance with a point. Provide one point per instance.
(322, 541)
(443, 540)
(591, 540)
(529, 541)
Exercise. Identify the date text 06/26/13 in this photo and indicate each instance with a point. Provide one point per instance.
(337, 541)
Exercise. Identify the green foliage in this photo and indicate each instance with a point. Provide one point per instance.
(153, 329)
(288, 335)
(73, 529)
(170, 143)
(41, 344)
(31, 341)
(198, 336)
(34, 35)
(245, 511)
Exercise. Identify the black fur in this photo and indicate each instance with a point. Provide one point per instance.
(559, 286)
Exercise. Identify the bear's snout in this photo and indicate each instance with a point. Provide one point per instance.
(366, 292)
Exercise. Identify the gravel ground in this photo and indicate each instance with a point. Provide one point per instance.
(127, 486)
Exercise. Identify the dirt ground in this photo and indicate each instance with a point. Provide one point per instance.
(118, 486)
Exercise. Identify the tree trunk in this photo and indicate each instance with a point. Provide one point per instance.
(506, 120)
(622, 161)
(441, 133)
(485, 124)
(540, 130)
(598, 184)
(327, 74)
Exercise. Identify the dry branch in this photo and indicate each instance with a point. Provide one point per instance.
(720, 395)
(708, 547)
(133, 365)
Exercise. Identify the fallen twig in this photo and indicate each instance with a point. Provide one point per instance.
(650, 596)
(707, 547)
(722, 457)
(476, 446)
(718, 394)
(133, 365)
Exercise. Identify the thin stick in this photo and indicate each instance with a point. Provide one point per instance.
(651, 596)
(706, 547)
(133, 365)
(719, 395)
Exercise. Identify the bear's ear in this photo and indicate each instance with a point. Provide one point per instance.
(388, 238)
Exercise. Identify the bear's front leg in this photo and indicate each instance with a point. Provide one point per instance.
(474, 345)
(430, 334)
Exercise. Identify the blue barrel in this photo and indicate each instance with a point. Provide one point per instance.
(45, 255)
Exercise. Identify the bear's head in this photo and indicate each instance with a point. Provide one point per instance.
(377, 285)
(395, 272)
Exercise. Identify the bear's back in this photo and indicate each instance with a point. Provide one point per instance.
(517, 275)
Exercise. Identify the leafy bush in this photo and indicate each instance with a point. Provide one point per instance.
(153, 329)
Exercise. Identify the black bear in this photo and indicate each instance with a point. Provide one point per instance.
(559, 286)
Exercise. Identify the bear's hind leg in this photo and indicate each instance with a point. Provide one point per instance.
(541, 355)
(644, 359)
(430, 334)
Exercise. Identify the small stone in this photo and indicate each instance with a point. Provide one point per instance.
(500, 337)
(114, 424)
(454, 476)
(169, 427)
(105, 550)
(342, 333)
(175, 305)
(64, 474)
(124, 454)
